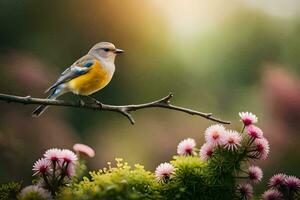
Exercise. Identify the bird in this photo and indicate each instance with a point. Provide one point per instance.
(89, 74)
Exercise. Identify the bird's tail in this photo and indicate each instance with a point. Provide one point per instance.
(41, 109)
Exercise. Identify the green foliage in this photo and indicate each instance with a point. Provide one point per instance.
(225, 163)
(194, 179)
(80, 169)
(120, 182)
(188, 180)
(9, 190)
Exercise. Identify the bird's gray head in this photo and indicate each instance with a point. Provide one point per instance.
(105, 50)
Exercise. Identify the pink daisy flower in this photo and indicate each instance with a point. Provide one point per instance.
(232, 140)
(53, 154)
(271, 195)
(254, 132)
(185, 147)
(277, 180)
(255, 174)
(244, 191)
(206, 151)
(215, 134)
(262, 148)
(41, 166)
(68, 156)
(35, 191)
(164, 171)
(293, 183)
(84, 149)
(248, 118)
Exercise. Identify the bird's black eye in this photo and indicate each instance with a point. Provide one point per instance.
(106, 49)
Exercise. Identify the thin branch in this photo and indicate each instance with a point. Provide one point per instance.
(122, 109)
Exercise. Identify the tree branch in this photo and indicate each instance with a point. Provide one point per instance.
(122, 109)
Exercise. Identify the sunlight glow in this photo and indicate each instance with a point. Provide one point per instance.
(189, 17)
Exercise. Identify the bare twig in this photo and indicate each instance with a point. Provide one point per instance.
(122, 109)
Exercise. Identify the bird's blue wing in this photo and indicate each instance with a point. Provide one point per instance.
(79, 68)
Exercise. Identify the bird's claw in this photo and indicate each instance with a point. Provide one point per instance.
(99, 104)
(81, 102)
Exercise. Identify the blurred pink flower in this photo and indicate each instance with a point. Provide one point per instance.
(84, 149)
(39, 193)
(248, 118)
(262, 148)
(271, 195)
(254, 132)
(277, 180)
(293, 183)
(185, 147)
(164, 170)
(215, 134)
(255, 174)
(68, 156)
(41, 166)
(53, 154)
(245, 191)
(206, 151)
(232, 140)
(281, 97)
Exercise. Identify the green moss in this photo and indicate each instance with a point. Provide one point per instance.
(194, 179)
(10, 190)
(120, 182)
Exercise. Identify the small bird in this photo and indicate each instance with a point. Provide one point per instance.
(89, 74)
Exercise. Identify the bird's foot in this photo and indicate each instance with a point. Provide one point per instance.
(81, 102)
(99, 104)
(96, 101)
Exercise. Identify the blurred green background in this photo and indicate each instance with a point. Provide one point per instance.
(216, 56)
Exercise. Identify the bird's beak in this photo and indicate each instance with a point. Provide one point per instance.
(118, 51)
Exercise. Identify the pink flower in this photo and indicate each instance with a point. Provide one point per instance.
(206, 151)
(164, 171)
(248, 118)
(232, 140)
(255, 174)
(84, 149)
(185, 147)
(215, 134)
(293, 183)
(271, 195)
(41, 166)
(262, 148)
(244, 191)
(53, 154)
(254, 132)
(68, 156)
(277, 180)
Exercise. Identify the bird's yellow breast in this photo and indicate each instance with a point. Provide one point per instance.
(95, 79)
